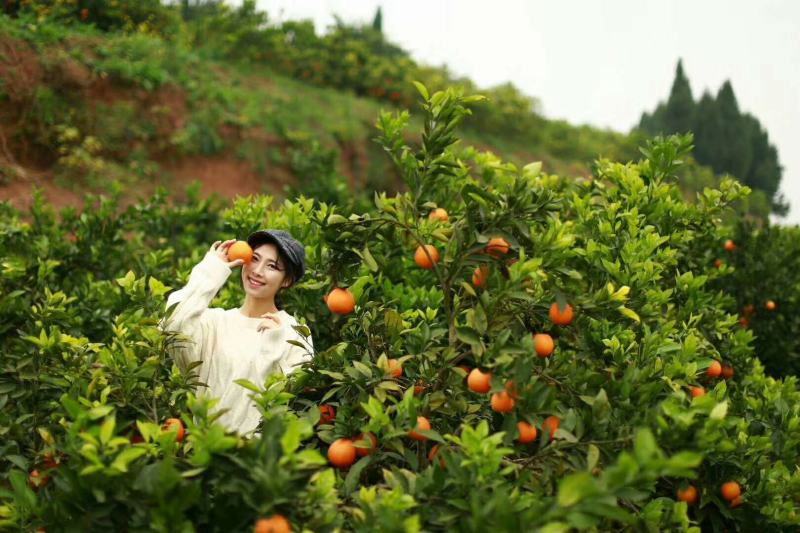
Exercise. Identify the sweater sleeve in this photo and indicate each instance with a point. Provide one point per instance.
(191, 316)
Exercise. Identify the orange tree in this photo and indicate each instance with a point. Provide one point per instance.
(86, 380)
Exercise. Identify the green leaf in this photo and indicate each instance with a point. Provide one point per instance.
(575, 488)
(107, 429)
(719, 411)
(422, 90)
(126, 457)
(369, 260)
(630, 313)
(353, 475)
(468, 335)
(592, 457)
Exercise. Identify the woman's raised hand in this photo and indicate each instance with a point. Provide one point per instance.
(271, 321)
(220, 248)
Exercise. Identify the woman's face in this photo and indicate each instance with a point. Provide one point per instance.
(265, 274)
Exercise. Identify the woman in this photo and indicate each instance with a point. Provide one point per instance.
(249, 342)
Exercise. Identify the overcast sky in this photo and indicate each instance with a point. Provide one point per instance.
(603, 62)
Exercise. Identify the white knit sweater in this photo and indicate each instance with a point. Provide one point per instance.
(228, 344)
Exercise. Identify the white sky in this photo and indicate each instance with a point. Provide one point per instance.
(603, 62)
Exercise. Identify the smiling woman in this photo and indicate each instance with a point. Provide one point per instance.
(249, 342)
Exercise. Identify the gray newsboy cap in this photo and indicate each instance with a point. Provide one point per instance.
(288, 245)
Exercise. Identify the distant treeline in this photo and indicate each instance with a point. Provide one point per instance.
(726, 139)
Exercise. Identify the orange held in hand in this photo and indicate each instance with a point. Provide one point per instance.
(502, 402)
(497, 247)
(274, 524)
(422, 425)
(342, 453)
(426, 256)
(480, 276)
(730, 490)
(439, 214)
(479, 382)
(525, 432)
(560, 317)
(543, 344)
(688, 495)
(171, 423)
(240, 250)
(341, 301)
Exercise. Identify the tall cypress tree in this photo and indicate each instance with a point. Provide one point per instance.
(733, 147)
(679, 111)
(707, 129)
(377, 22)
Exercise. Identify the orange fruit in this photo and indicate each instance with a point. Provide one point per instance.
(770, 305)
(422, 425)
(419, 388)
(714, 370)
(341, 301)
(736, 502)
(480, 276)
(525, 432)
(717, 263)
(37, 480)
(502, 402)
(479, 382)
(274, 524)
(327, 414)
(727, 371)
(543, 344)
(439, 214)
(730, 490)
(240, 250)
(688, 495)
(395, 369)
(366, 438)
(697, 391)
(171, 423)
(497, 247)
(730, 246)
(560, 317)
(342, 453)
(748, 309)
(432, 454)
(421, 257)
(743, 322)
(550, 425)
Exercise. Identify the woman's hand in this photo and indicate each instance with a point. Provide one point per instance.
(271, 321)
(221, 250)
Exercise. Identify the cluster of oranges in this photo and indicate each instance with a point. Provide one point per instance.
(714, 371)
(730, 492)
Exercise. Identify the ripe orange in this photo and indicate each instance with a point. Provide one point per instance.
(342, 453)
(770, 305)
(550, 425)
(697, 391)
(717, 263)
(366, 438)
(341, 301)
(502, 402)
(560, 318)
(730, 246)
(714, 370)
(526, 432)
(688, 495)
(497, 247)
(422, 425)
(274, 524)
(419, 388)
(240, 250)
(479, 382)
(37, 480)
(395, 369)
(421, 257)
(748, 309)
(480, 276)
(171, 423)
(327, 414)
(730, 490)
(439, 214)
(736, 502)
(543, 344)
(432, 454)
(727, 371)
(743, 322)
